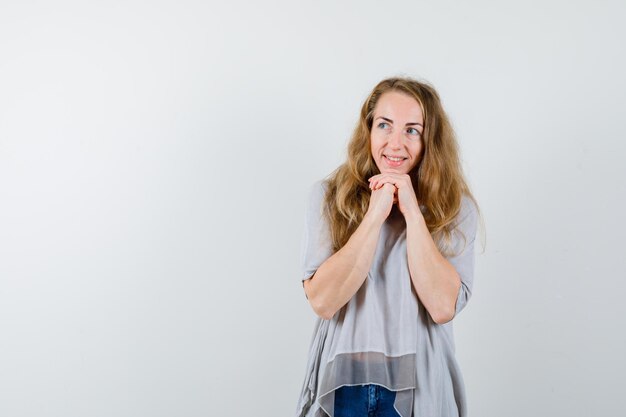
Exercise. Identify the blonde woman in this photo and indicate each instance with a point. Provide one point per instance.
(388, 262)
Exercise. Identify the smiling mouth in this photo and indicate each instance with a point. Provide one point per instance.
(394, 161)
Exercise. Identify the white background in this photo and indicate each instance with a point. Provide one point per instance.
(155, 159)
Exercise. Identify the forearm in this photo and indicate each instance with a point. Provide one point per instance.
(435, 280)
(340, 276)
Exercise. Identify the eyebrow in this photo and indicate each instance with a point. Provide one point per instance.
(391, 121)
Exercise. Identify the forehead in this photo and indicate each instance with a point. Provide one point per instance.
(398, 105)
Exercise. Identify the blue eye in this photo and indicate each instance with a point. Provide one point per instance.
(416, 131)
(381, 123)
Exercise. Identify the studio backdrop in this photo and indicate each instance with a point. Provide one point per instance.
(155, 159)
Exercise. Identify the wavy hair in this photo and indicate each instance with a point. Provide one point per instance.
(437, 179)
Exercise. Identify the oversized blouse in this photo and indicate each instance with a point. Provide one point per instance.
(383, 335)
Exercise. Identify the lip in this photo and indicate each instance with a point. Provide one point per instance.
(393, 164)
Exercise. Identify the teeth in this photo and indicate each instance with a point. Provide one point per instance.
(391, 158)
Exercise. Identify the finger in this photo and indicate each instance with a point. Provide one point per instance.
(387, 182)
(381, 180)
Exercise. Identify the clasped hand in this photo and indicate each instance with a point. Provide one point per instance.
(388, 189)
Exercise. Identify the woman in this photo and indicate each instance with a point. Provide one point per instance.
(388, 262)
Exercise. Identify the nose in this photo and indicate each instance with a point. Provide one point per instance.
(395, 139)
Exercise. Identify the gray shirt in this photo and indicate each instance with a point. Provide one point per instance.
(384, 335)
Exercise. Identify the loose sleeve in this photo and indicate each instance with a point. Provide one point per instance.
(316, 245)
(463, 262)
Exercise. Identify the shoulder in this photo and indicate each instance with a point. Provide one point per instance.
(468, 213)
(317, 189)
(468, 205)
(316, 195)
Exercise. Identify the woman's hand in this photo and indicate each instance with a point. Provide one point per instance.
(404, 195)
(381, 202)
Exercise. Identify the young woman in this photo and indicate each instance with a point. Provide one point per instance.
(388, 262)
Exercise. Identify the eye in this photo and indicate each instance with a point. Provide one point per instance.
(414, 131)
(382, 123)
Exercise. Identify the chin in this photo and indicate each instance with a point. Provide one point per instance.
(387, 170)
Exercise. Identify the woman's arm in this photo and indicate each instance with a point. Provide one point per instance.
(339, 277)
(443, 284)
(435, 280)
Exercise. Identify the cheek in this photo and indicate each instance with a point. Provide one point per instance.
(419, 151)
(375, 146)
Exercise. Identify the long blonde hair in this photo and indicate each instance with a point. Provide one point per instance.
(437, 179)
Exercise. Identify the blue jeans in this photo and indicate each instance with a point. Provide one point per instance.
(369, 400)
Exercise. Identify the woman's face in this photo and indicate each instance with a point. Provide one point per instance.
(397, 131)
